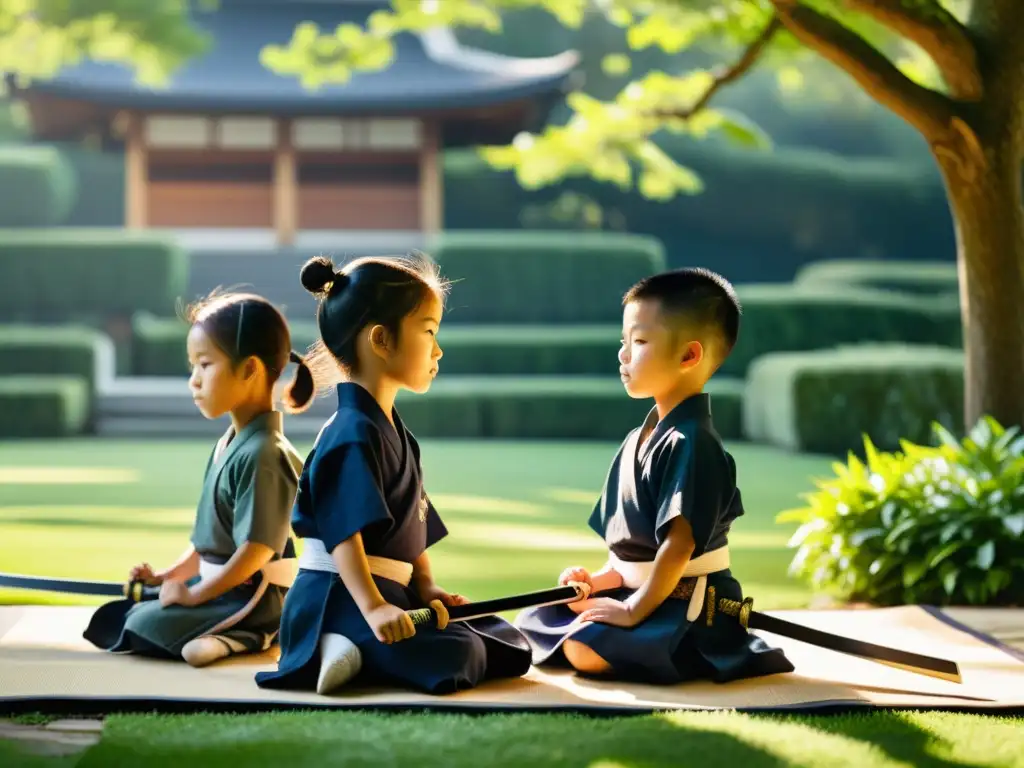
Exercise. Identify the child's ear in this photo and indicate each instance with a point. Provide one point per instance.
(249, 368)
(379, 339)
(692, 354)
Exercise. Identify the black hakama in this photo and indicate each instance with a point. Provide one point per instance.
(364, 476)
(682, 470)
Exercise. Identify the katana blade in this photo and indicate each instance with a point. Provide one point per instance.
(931, 666)
(554, 596)
(135, 591)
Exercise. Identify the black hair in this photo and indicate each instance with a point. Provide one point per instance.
(244, 325)
(367, 291)
(699, 297)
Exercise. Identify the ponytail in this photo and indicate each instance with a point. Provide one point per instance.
(299, 393)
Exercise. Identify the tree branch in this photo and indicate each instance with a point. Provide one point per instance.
(939, 34)
(926, 110)
(727, 75)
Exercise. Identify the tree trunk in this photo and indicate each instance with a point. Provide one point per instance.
(989, 218)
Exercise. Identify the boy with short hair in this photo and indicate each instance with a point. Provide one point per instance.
(665, 512)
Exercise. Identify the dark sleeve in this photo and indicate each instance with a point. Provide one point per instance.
(265, 491)
(436, 529)
(677, 493)
(347, 497)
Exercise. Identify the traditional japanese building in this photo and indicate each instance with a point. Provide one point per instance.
(229, 144)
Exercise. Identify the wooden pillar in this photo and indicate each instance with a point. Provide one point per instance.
(431, 191)
(286, 193)
(136, 172)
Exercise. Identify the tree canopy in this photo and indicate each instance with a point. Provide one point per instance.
(897, 49)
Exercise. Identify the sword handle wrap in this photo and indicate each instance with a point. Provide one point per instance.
(133, 591)
(436, 614)
(138, 591)
(735, 608)
(422, 616)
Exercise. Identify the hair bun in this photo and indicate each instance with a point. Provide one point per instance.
(318, 274)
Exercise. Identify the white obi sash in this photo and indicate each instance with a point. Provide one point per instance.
(315, 557)
(635, 574)
(280, 573)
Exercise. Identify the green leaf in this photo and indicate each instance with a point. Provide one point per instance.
(859, 538)
(949, 581)
(945, 437)
(792, 515)
(912, 572)
(986, 555)
(945, 552)
(996, 580)
(616, 64)
(949, 530)
(899, 530)
(1014, 524)
(741, 130)
(790, 79)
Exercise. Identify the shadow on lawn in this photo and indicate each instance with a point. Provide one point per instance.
(897, 737)
(683, 739)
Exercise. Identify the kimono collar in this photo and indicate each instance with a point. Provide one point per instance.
(694, 408)
(271, 421)
(356, 397)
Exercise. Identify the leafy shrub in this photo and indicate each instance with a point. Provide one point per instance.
(929, 524)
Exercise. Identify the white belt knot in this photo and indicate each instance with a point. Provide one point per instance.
(635, 574)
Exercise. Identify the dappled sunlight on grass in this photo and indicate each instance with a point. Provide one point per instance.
(453, 502)
(572, 496)
(499, 536)
(86, 552)
(98, 515)
(517, 513)
(67, 476)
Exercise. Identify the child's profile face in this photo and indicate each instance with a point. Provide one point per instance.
(216, 385)
(651, 358)
(415, 363)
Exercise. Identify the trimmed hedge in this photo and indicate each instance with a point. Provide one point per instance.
(812, 205)
(37, 186)
(50, 350)
(928, 278)
(541, 407)
(551, 350)
(798, 318)
(825, 401)
(43, 406)
(158, 348)
(102, 173)
(68, 274)
(542, 277)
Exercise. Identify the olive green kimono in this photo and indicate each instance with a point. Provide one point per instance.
(247, 496)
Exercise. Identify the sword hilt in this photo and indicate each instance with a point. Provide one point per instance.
(137, 591)
(436, 614)
(739, 610)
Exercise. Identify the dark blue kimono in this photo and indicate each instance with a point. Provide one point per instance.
(364, 476)
(682, 470)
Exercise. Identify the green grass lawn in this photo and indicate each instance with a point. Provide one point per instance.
(516, 512)
(517, 515)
